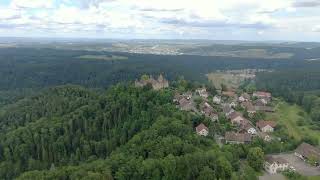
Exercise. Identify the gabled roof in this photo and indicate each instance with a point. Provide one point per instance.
(238, 137)
(308, 151)
(200, 127)
(227, 109)
(235, 115)
(248, 106)
(278, 160)
(262, 94)
(247, 126)
(262, 124)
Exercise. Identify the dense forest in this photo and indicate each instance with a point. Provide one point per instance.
(69, 132)
(37, 68)
(99, 129)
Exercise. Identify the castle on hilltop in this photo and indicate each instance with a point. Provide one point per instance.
(156, 84)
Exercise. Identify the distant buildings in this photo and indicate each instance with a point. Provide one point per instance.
(309, 153)
(275, 164)
(202, 130)
(262, 94)
(156, 84)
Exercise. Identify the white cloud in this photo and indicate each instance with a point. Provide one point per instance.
(32, 4)
(316, 28)
(191, 18)
(8, 14)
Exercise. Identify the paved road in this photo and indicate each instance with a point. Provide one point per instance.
(300, 166)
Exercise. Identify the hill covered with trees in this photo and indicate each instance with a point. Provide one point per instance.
(69, 132)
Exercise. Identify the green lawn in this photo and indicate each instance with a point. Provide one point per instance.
(288, 115)
(313, 178)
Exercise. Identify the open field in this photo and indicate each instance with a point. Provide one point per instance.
(289, 116)
(103, 57)
(231, 78)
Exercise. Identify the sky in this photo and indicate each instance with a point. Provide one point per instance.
(252, 20)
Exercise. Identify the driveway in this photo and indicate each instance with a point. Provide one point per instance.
(300, 166)
(267, 176)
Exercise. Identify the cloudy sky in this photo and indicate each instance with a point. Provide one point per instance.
(297, 20)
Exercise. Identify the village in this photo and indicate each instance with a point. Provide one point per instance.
(239, 109)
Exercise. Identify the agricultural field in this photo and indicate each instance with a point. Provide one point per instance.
(232, 79)
(295, 119)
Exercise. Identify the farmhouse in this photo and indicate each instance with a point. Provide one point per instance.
(202, 130)
(237, 138)
(266, 126)
(275, 164)
(309, 153)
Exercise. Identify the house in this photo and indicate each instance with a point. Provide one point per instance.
(249, 107)
(261, 102)
(237, 138)
(208, 111)
(237, 118)
(187, 95)
(156, 84)
(266, 137)
(275, 164)
(309, 153)
(202, 130)
(227, 110)
(248, 128)
(185, 104)
(266, 126)
(216, 99)
(202, 92)
(213, 116)
(233, 104)
(244, 97)
(262, 94)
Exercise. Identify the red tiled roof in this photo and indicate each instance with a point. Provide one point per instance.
(200, 127)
